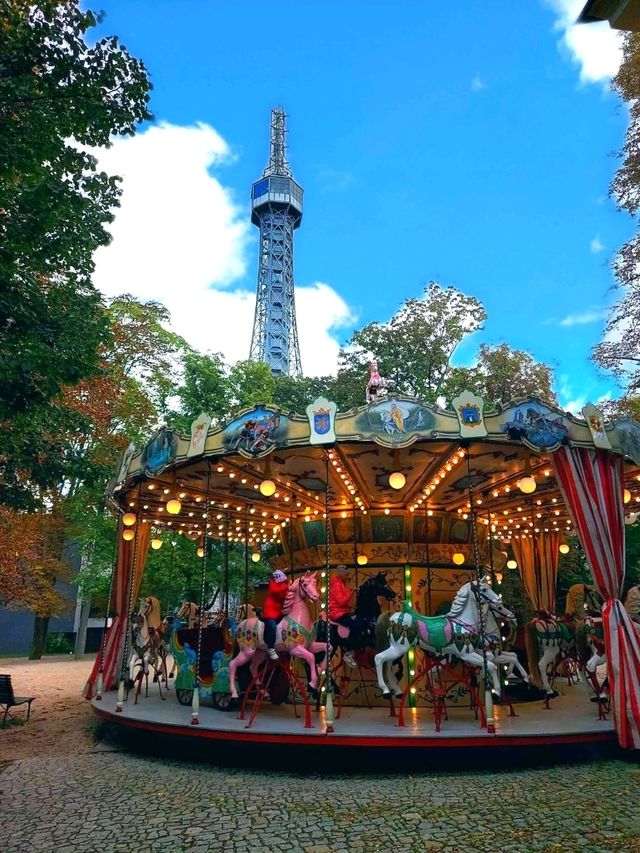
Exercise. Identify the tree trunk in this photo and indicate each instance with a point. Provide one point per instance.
(39, 642)
(81, 636)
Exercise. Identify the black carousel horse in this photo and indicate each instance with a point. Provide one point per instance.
(367, 610)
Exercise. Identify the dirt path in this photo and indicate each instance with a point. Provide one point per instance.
(61, 720)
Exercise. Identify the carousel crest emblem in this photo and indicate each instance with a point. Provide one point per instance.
(469, 414)
(322, 421)
(321, 414)
(469, 408)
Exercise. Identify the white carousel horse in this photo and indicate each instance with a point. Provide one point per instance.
(495, 646)
(295, 634)
(376, 386)
(144, 655)
(150, 609)
(456, 633)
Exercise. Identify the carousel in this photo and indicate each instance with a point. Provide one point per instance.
(392, 532)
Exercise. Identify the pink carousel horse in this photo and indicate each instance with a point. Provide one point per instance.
(295, 634)
(376, 387)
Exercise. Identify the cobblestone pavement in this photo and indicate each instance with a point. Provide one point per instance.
(95, 796)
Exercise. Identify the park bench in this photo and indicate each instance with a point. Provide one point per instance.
(8, 700)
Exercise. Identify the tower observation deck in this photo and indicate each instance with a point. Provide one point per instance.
(276, 208)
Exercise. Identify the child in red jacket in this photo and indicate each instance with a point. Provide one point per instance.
(272, 609)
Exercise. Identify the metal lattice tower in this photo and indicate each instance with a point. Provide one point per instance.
(276, 208)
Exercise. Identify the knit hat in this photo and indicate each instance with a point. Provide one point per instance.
(279, 576)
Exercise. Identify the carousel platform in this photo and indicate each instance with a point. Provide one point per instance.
(572, 721)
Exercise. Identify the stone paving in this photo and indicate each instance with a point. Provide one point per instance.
(93, 796)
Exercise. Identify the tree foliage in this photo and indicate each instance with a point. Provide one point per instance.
(502, 374)
(619, 352)
(57, 94)
(415, 347)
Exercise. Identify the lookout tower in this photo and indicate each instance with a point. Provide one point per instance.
(276, 208)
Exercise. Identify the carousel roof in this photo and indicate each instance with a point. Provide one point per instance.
(349, 459)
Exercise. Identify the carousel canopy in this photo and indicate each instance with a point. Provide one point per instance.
(386, 472)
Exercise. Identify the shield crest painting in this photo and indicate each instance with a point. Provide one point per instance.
(321, 414)
(321, 422)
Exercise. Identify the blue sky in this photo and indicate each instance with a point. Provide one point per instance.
(467, 143)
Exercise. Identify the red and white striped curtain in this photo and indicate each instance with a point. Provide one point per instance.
(592, 485)
(128, 553)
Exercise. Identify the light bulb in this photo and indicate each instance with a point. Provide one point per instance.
(174, 506)
(200, 552)
(511, 564)
(564, 548)
(458, 559)
(397, 480)
(626, 496)
(128, 534)
(362, 559)
(129, 518)
(256, 556)
(527, 484)
(267, 488)
(156, 544)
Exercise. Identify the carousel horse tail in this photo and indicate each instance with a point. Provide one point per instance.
(382, 632)
(533, 652)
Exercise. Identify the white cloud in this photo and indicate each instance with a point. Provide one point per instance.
(595, 47)
(589, 316)
(596, 245)
(477, 85)
(180, 237)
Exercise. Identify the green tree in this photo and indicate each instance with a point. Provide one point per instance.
(54, 209)
(502, 374)
(248, 383)
(203, 389)
(415, 347)
(619, 352)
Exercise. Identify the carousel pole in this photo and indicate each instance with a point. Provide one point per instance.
(114, 562)
(290, 534)
(127, 615)
(329, 710)
(488, 698)
(171, 597)
(226, 565)
(355, 546)
(428, 558)
(490, 544)
(195, 701)
(246, 562)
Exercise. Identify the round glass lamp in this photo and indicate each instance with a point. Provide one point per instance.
(200, 551)
(174, 506)
(511, 564)
(267, 488)
(397, 480)
(527, 484)
(128, 534)
(458, 559)
(362, 559)
(156, 544)
(129, 519)
(626, 496)
(256, 556)
(564, 548)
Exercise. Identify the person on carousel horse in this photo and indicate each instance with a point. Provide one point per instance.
(341, 611)
(272, 609)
